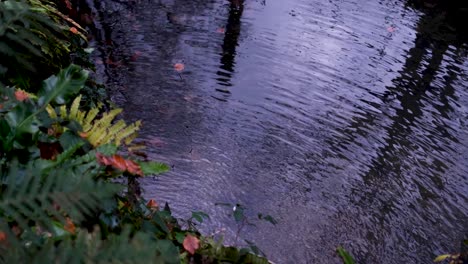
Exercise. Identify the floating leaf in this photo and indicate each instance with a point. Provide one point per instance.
(199, 216)
(191, 244)
(347, 259)
(179, 67)
(442, 258)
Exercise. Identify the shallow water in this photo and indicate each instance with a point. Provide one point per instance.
(344, 120)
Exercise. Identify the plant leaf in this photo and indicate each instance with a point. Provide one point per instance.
(191, 244)
(442, 257)
(60, 88)
(347, 259)
(151, 167)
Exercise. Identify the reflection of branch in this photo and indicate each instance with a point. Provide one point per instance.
(230, 41)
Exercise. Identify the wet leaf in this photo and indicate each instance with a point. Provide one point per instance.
(347, 259)
(191, 244)
(3, 236)
(221, 30)
(179, 67)
(238, 213)
(199, 216)
(442, 258)
(267, 218)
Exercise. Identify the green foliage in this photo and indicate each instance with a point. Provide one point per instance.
(21, 121)
(100, 131)
(34, 41)
(347, 258)
(152, 167)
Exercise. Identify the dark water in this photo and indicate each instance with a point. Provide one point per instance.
(345, 120)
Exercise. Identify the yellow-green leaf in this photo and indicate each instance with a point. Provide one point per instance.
(442, 258)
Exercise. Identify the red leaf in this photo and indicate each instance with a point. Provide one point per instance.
(21, 95)
(3, 236)
(191, 244)
(179, 67)
(152, 204)
(69, 226)
(49, 151)
(133, 168)
(118, 162)
(74, 30)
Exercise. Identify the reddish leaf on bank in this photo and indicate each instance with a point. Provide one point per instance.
(21, 95)
(191, 244)
(3, 236)
(74, 30)
(69, 226)
(152, 204)
(118, 162)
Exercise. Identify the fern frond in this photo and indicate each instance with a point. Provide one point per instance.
(127, 132)
(63, 111)
(35, 196)
(87, 123)
(107, 118)
(74, 108)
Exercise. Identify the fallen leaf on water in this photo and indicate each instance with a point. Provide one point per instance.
(221, 30)
(135, 55)
(391, 29)
(179, 67)
(191, 244)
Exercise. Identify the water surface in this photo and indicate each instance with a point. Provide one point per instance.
(345, 120)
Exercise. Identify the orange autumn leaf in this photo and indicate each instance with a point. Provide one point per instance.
(191, 244)
(179, 67)
(21, 95)
(69, 226)
(133, 167)
(120, 163)
(74, 30)
(152, 204)
(3, 236)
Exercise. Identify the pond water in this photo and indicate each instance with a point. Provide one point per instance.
(344, 120)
